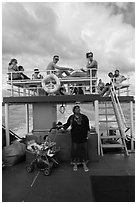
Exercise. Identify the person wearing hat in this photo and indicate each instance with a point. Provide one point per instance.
(79, 133)
(36, 74)
(58, 70)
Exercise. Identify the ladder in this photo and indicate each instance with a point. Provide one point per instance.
(113, 109)
(117, 107)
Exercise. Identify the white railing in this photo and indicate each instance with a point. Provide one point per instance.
(30, 87)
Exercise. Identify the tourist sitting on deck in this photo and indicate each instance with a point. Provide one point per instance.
(36, 74)
(117, 80)
(101, 85)
(106, 89)
(53, 68)
(62, 90)
(92, 65)
(14, 68)
(78, 90)
(91, 68)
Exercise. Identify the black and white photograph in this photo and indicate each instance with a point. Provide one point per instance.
(68, 101)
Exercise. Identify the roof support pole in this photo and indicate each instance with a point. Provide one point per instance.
(97, 123)
(27, 118)
(131, 125)
(7, 124)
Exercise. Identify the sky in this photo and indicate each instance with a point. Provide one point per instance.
(32, 32)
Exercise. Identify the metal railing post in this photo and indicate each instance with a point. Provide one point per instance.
(7, 124)
(97, 123)
(90, 71)
(11, 84)
(27, 118)
(131, 125)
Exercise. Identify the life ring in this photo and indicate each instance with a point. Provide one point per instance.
(51, 83)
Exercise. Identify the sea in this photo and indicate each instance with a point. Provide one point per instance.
(17, 116)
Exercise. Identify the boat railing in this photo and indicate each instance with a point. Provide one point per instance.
(31, 87)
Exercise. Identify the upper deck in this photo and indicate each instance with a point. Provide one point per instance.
(32, 90)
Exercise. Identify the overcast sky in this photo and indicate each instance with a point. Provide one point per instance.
(34, 32)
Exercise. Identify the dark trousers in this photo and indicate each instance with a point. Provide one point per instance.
(79, 151)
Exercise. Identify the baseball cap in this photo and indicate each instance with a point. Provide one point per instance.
(36, 70)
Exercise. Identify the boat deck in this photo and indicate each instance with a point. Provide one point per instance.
(111, 179)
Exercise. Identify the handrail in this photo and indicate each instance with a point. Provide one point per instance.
(119, 118)
(119, 106)
(45, 72)
(64, 80)
(11, 132)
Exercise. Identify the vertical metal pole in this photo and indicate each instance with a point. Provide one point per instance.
(24, 90)
(97, 124)
(29, 92)
(131, 125)
(7, 124)
(19, 91)
(127, 91)
(96, 91)
(11, 84)
(90, 71)
(27, 118)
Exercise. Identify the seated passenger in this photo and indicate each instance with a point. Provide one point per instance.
(78, 90)
(100, 85)
(62, 90)
(36, 74)
(118, 79)
(106, 90)
(58, 70)
(14, 69)
(92, 65)
(22, 75)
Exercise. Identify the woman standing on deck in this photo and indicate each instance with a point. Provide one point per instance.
(79, 132)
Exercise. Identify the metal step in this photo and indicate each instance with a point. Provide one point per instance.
(112, 145)
(107, 121)
(105, 103)
(107, 107)
(108, 128)
(110, 137)
(106, 114)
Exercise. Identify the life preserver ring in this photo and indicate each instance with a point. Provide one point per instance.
(51, 83)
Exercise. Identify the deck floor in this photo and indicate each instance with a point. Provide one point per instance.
(65, 185)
